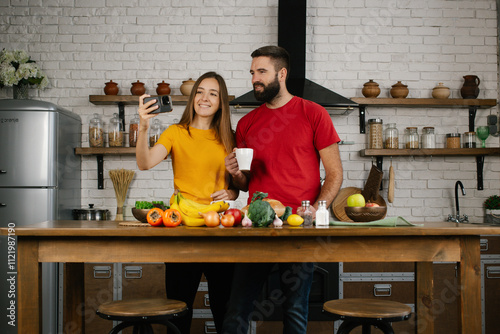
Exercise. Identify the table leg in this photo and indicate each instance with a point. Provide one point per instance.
(29, 287)
(470, 283)
(424, 285)
(74, 294)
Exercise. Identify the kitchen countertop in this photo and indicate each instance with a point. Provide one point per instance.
(113, 228)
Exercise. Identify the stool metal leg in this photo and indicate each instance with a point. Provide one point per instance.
(347, 326)
(385, 327)
(120, 327)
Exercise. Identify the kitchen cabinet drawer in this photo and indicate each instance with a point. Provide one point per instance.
(98, 283)
(141, 280)
(201, 301)
(355, 268)
(402, 291)
(490, 295)
(203, 326)
(490, 245)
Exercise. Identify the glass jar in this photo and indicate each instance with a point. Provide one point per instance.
(96, 132)
(307, 214)
(322, 215)
(411, 137)
(376, 133)
(133, 131)
(453, 140)
(428, 137)
(469, 140)
(154, 132)
(391, 136)
(115, 134)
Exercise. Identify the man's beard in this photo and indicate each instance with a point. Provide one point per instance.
(269, 92)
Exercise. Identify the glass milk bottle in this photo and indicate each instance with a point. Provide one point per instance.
(322, 215)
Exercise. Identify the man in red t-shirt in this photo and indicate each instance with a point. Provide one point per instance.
(289, 137)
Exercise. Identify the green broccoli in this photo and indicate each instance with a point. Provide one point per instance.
(260, 212)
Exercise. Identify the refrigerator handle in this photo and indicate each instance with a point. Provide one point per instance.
(3, 171)
(3, 204)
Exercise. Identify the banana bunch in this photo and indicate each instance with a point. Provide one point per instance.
(191, 210)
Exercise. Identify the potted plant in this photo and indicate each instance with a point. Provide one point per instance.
(17, 70)
(492, 208)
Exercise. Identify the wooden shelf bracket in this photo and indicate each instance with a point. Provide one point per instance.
(100, 171)
(472, 117)
(362, 113)
(121, 115)
(479, 171)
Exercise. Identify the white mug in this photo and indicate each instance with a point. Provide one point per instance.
(244, 157)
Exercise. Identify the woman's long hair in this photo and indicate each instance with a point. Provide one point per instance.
(221, 123)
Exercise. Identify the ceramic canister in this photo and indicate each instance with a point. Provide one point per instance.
(399, 90)
(370, 89)
(440, 92)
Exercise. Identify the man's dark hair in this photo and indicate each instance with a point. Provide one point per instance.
(278, 55)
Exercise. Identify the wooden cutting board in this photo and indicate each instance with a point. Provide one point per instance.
(137, 223)
(340, 202)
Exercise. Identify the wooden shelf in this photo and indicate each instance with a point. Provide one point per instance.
(425, 103)
(430, 152)
(479, 153)
(105, 150)
(134, 99)
(471, 104)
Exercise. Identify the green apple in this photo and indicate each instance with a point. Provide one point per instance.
(356, 200)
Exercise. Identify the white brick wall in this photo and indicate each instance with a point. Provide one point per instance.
(84, 43)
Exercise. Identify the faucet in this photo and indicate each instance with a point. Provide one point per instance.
(457, 218)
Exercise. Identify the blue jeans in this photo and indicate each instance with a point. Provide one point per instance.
(182, 280)
(293, 296)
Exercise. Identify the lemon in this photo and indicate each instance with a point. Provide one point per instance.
(295, 220)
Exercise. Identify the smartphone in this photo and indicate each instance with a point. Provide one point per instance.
(163, 102)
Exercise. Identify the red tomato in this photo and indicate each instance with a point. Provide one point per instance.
(236, 214)
(227, 220)
(155, 217)
(171, 217)
(212, 218)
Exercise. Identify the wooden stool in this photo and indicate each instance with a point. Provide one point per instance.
(141, 313)
(367, 312)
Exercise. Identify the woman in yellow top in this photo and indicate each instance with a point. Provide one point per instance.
(197, 145)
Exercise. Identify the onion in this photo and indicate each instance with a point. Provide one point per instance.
(212, 218)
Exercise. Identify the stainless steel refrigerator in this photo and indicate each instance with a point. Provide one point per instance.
(40, 179)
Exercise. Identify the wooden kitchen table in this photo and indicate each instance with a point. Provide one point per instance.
(76, 242)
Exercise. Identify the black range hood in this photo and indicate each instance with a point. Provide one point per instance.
(292, 16)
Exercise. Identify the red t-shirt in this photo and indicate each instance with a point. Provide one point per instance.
(286, 143)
